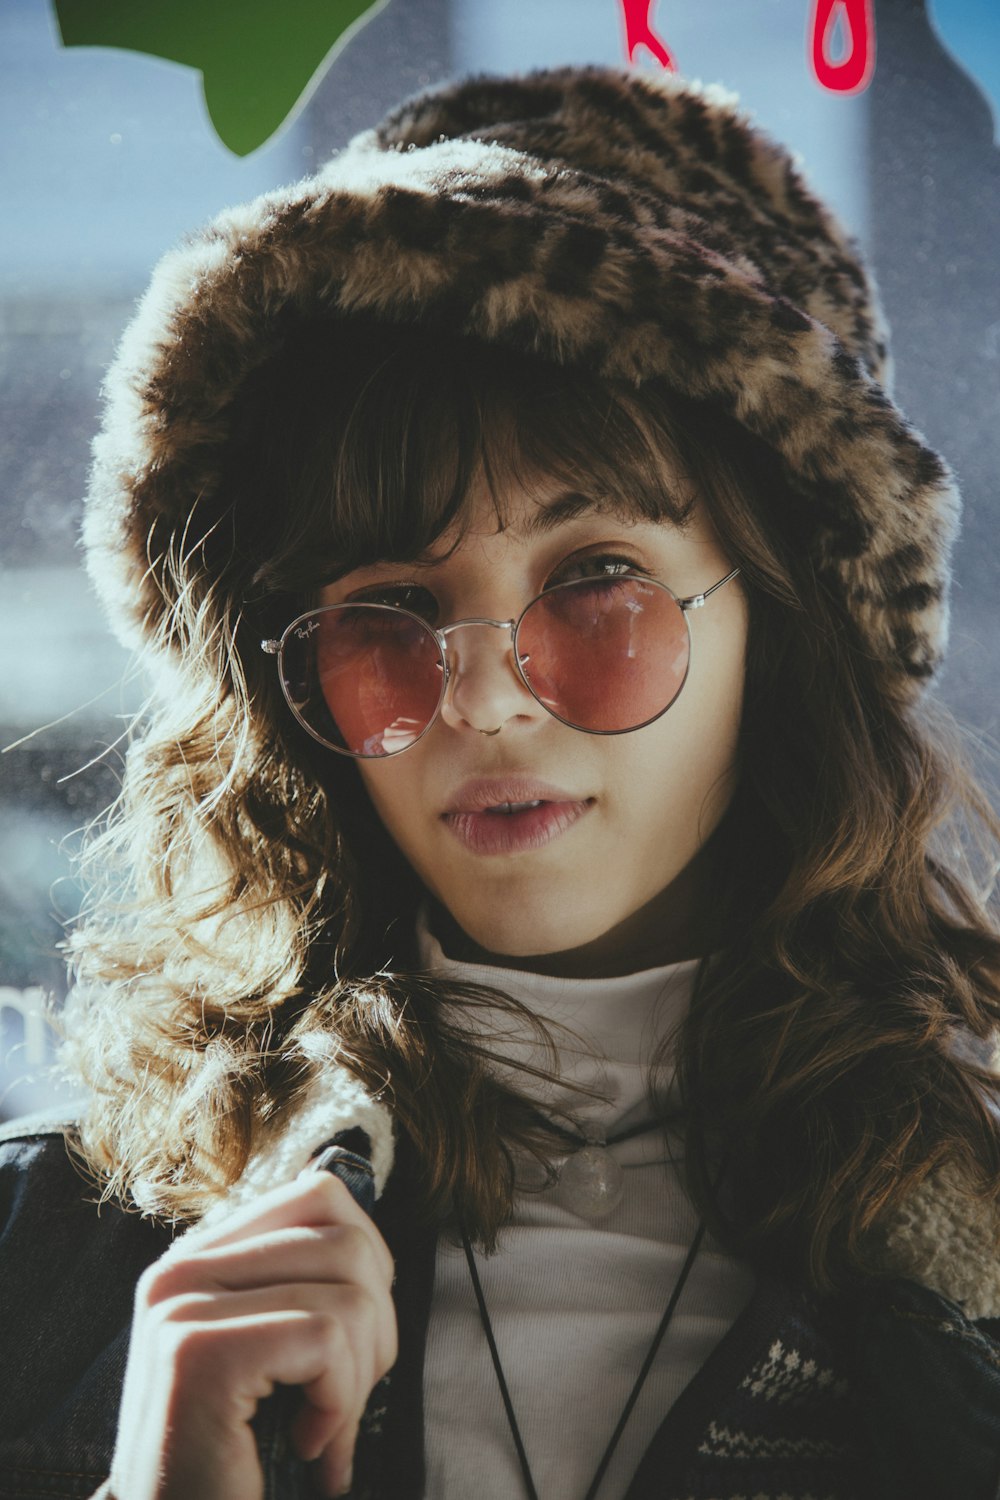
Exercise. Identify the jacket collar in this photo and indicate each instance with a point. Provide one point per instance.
(948, 1240)
(333, 1102)
(942, 1236)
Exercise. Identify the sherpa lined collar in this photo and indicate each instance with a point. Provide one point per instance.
(942, 1237)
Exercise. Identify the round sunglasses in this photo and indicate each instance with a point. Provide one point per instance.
(603, 655)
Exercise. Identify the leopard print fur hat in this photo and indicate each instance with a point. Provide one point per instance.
(634, 224)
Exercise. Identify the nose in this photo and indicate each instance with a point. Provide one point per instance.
(484, 687)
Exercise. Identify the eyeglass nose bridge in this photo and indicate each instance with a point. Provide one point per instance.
(445, 630)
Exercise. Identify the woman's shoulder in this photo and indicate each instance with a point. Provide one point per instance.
(30, 1139)
(58, 1241)
(38, 1176)
(68, 1268)
(924, 1340)
(945, 1237)
(926, 1382)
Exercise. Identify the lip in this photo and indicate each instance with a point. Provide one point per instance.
(484, 832)
(481, 792)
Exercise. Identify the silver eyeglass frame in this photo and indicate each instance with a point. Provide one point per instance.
(276, 648)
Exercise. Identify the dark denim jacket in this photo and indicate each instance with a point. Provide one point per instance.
(891, 1395)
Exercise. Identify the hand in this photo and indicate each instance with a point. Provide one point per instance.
(294, 1290)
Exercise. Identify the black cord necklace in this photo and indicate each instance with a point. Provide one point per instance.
(640, 1380)
(597, 1145)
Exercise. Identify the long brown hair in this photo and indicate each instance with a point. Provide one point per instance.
(244, 892)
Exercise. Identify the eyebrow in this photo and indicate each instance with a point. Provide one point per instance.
(567, 506)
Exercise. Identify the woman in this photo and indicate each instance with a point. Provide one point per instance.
(608, 1109)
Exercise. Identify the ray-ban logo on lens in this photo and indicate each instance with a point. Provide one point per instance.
(305, 631)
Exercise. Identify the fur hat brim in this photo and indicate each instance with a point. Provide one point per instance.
(632, 224)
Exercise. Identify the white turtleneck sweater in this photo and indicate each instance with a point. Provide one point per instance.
(574, 1302)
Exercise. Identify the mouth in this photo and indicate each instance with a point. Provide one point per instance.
(506, 808)
(494, 831)
(507, 796)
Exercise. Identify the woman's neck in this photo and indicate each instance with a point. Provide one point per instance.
(676, 925)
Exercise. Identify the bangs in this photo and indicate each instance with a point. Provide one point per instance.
(359, 443)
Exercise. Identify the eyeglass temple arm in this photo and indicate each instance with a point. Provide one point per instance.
(695, 601)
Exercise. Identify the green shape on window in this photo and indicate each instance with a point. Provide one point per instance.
(258, 58)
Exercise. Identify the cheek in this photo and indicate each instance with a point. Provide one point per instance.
(391, 794)
(673, 795)
(398, 792)
(681, 779)
(387, 792)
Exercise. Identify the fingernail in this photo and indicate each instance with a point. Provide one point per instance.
(346, 1481)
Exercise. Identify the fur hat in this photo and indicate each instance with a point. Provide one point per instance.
(633, 224)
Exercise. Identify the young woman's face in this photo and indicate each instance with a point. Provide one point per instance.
(611, 881)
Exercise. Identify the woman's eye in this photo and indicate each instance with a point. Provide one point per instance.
(597, 565)
(419, 601)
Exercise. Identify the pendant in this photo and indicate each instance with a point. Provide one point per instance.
(591, 1182)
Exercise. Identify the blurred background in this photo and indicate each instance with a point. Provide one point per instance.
(109, 157)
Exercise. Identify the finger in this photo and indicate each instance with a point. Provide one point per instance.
(315, 1198)
(315, 1434)
(221, 1370)
(356, 1317)
(325, 1253)
(337, 1458)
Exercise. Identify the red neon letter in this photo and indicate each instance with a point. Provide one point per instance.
(854, 70)
(639, 32)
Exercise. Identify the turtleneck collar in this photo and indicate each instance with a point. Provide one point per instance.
(605, 1030)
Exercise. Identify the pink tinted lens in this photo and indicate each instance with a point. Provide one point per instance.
(372, 680)
(605, 654)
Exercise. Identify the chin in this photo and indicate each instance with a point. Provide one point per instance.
(528, 933)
